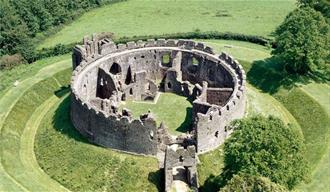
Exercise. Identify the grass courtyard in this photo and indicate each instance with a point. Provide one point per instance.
(173, 110)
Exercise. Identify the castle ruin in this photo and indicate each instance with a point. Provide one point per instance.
(105, 74)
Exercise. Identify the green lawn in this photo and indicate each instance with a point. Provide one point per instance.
(80, 166)
(174, 110)
(145, 17)
(313, 112)
(265, 104)
(33, 103)
(21, 170)
(21, 72)
(313, 120)
(240, 50)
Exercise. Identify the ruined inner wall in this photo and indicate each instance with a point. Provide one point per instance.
(106, 73)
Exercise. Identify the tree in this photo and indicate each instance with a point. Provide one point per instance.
(250, 183)
(13, 31)
(266, 147)
(303, 42)
(322, 6)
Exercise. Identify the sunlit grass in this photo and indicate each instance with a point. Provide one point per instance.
(173, 110)
(144, 17)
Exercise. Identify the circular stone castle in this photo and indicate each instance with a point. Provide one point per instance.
(105, 74)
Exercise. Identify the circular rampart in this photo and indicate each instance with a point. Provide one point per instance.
(106, 74)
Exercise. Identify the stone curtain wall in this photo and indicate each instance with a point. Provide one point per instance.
(190, 66)
(138, 136)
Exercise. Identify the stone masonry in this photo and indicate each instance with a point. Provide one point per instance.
(105, 74)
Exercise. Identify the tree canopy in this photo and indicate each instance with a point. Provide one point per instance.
(266, 147)
(303, 42)
(319, 5)
(250, 183)
(22, 20)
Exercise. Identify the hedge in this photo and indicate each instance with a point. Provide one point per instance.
(61, 49)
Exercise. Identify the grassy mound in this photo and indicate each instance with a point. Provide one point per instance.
(252, 17)
(174, 110)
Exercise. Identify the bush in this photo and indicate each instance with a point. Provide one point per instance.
(266, 147)
(303, 42)
(10, 61)
(250, 183)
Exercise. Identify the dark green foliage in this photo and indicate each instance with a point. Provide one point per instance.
(266, 147)
(20, 20)
(303, 42)
(13, 31)
(250, 183)
(322, 6)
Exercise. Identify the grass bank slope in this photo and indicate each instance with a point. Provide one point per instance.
(313, 120)
(145, 17)
(319, 92)
(17, 135)
(22, 72)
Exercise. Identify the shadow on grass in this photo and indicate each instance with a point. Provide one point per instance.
(157, 178)
(62, 91)
(62, 121)
(214, 183)
(187, 123)
(269, 76)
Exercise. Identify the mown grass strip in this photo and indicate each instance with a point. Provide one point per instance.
(12, 131)
(313, 120)
(320, 92)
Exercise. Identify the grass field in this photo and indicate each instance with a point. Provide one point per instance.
(32, 104)
(145, 17)
(174, 110)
